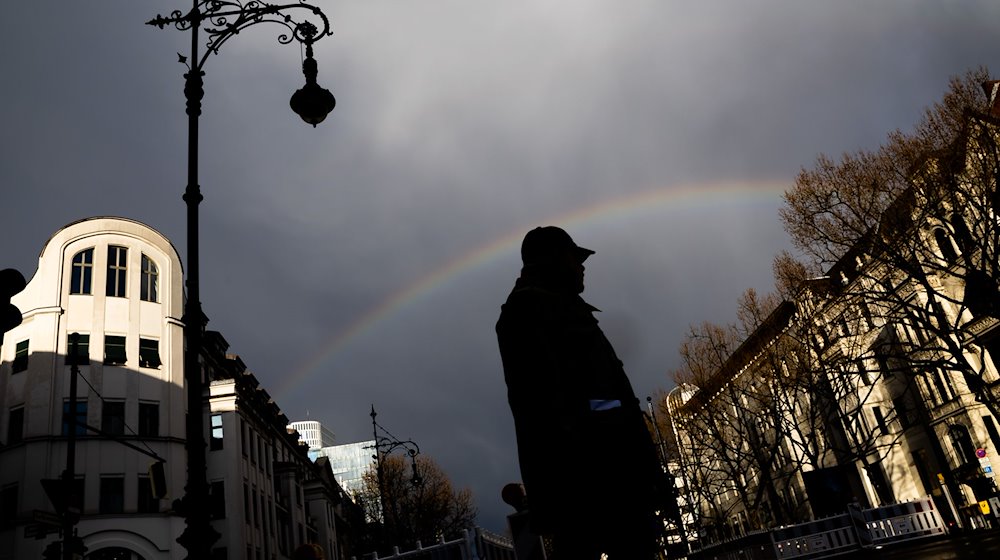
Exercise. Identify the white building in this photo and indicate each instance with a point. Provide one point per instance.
(119, 284)
(878, 383)
(313, 434)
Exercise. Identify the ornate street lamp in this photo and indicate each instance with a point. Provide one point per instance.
(385, 444)
(221, 20)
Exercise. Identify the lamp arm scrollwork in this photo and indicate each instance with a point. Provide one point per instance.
(222, 19)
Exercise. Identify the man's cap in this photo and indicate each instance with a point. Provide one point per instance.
(545, 244)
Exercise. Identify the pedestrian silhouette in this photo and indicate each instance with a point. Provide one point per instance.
(588, 463)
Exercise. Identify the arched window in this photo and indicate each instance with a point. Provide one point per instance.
(945, 245)
(148, 281)
(117, 270)
(82, 273)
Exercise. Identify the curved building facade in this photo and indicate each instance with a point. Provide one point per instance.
(118, 283)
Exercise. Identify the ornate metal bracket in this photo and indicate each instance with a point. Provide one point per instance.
(222, 19)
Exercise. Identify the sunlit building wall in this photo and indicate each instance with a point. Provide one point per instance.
(119, 284)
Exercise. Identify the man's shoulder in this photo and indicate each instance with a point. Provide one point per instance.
(527, 303)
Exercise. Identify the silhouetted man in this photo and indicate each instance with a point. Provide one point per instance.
(587, 461)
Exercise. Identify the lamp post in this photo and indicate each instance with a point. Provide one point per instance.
(221, 20)
(384, 445)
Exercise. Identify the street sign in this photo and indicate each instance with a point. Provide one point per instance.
(46, 518)
(39, 531)
(984, 506)
(980, 453)
(987, 467)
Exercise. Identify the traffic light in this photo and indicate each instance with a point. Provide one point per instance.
(77, 547)
(53, 551)
(11, 282)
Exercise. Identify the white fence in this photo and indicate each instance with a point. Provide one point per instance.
(832, 536)
(824, 537)
(478, 544)
(910, 520)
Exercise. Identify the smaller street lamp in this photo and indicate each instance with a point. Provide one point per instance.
(384, 445)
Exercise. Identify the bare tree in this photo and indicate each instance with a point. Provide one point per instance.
(423, 512)
(737, 425)
(778, 397)
(910, 233)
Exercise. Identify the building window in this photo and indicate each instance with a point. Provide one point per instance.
(112, 494)
(149, 419)
(146, 501)
(883, 429)
(117, 271)
(149, 353)
(114, 350)
(961, 442)
(942, 379)
(215, 442)
(945, 245)
(903, 412)
(79, 419)
(927, 388)
(866, 315)
(256, 507)
(82, 350)
(149, 277)
(884, 367)
(83, 270)
(246, 503)
(863, 371)
(113, 418)
(217, 500)
(8, 504)
(15, 426)
(20, 357)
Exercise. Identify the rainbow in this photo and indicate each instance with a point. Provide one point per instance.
(690, 197)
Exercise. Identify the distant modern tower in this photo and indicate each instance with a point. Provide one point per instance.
(313, 434)
(349, 461)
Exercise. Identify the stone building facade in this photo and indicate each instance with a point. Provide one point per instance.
(119, 284)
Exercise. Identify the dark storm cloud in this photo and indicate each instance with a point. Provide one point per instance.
(459, 123)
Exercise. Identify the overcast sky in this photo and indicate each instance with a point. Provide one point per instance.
(364, 261)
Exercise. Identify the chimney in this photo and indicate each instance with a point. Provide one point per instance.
(992, 90)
